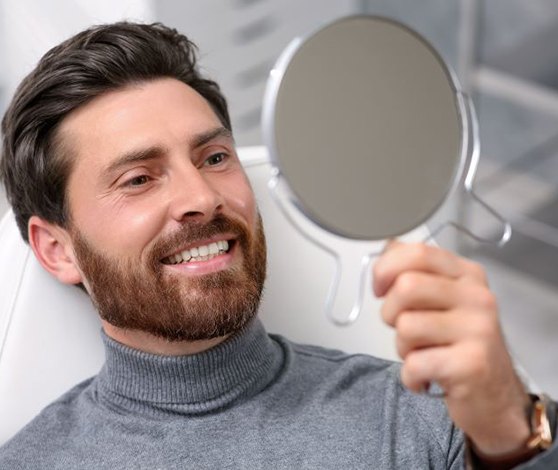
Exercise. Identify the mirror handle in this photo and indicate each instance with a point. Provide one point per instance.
(334, 288)
(471, 130)
(499, 241)
(273, 185)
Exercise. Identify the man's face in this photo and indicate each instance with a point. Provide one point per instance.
(164, 223)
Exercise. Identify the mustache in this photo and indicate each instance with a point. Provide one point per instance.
(193, 231)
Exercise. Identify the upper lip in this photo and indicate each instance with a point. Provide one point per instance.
(205, 241)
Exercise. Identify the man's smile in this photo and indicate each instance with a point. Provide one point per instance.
(201, 252)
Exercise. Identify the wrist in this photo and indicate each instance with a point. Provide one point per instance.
(506, 432)
(540, 415)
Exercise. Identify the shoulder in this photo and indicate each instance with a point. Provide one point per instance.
(370, 387)
(320, 362)
(376, 374)
(49, 430)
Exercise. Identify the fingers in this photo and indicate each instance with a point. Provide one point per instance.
(399, 258)
(457, 369)
(418, 330)
(437, 302)
(447, 331)
(425, 366)
(417, 291)
(428, 292)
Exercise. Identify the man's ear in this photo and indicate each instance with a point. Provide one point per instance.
(53, 248)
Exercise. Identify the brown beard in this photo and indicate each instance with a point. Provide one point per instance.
(142, 297)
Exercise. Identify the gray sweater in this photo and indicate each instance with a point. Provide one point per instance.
(255, 401)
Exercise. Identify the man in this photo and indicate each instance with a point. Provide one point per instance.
(119, 162)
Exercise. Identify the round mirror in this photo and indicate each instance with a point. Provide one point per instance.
(364, 124)
(367, 127)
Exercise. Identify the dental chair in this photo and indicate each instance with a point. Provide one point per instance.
(50, 334)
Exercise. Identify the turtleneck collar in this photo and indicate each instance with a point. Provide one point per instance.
(237, 368)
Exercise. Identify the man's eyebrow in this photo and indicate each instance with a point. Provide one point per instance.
(155, 151)
(134, 156)
(205, 137)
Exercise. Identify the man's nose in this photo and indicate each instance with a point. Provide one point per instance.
(193, 196)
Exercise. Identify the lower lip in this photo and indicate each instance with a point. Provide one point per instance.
(218, 263)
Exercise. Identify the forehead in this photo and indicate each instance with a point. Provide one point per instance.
(160, 112)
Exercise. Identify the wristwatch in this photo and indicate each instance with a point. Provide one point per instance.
(542, 417)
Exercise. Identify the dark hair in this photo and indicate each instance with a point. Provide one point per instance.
(34, 167)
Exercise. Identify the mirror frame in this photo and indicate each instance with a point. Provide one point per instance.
(468, 158)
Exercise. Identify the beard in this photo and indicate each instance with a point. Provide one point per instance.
(177, 307)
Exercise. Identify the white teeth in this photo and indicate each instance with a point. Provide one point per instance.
(200, 253)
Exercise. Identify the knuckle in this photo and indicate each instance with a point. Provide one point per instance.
(486, 300)
(401, 346)
(409, 381)
(405, 326)
(406, 284)
(486, 327)
(477, 270)
(385, 313)
(420, 251)
(412, 365)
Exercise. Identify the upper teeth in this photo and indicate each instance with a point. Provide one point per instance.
(199, 253)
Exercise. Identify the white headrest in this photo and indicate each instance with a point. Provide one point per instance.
(49, 333)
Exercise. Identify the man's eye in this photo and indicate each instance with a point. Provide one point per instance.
(138, 181)
(216, 159)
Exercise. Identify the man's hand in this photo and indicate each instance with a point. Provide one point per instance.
(446, 320)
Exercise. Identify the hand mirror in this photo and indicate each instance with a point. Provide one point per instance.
(369, 135)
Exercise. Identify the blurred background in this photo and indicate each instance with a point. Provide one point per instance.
(504, 52)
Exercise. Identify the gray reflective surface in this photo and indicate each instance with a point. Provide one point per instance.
(366, 128)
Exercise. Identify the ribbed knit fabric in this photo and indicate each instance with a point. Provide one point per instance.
(139, 382)
(253, 402)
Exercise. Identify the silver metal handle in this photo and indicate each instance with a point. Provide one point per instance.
(365, 259)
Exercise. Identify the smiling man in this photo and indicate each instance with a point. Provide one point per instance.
(203, 253)
(119, 162)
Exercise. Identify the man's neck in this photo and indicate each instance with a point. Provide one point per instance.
(155, 345)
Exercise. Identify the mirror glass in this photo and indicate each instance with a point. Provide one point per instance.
(362, 120)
